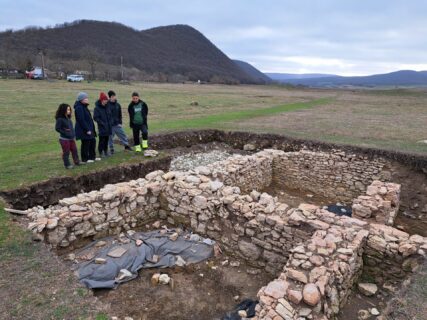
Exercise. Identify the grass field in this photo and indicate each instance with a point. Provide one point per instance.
(37, 284)
(393, 119)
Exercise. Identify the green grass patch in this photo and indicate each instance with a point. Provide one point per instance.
(14, 241)
(210, 121)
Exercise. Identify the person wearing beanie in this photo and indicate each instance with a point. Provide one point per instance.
(138, 116)
(85, 128)
(117, 129)
(102, 116)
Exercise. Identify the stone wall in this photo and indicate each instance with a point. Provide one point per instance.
(381, 202)
(391, 255)
(321, 252)
(335, 175)
(210, 200)
(246, 172)
(320, 274)
(98, 213)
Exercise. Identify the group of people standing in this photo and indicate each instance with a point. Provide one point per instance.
(108, 116)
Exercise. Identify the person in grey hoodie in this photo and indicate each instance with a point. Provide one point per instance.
(116, 113)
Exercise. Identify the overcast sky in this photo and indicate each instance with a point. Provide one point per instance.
(346, 37)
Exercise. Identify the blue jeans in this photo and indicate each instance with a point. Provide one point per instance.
(118, 130)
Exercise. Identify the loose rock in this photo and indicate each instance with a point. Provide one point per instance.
(311, 294)
(164, 279)
(368, 289)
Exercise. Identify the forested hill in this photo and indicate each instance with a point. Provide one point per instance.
(171, 52)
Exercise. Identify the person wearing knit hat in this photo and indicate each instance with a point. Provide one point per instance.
(81, 96)
(116, 113)
(85, 128)
(102, 116)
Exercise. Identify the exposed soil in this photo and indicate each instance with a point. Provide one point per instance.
(357, 302)
(294, 197)
(412, 217)
(202, 291)
(36, 284)
(409, 302)
(207, 290)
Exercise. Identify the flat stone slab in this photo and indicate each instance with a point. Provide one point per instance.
(117, 252)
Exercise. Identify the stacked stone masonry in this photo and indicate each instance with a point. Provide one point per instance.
(380, 202)
(316, 255)
(335, 175)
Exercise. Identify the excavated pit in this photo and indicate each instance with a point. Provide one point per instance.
(278, 231)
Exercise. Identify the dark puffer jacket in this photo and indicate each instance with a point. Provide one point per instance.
(65, 128)
(84, 122)
(116, 112)
(131, 110)
(102, 116)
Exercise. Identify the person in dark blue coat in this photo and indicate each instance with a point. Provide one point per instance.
(104, 119)
(85, 128)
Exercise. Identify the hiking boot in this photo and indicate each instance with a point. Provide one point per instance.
(144, 144)
(96, 159)
(90, 161)
(69, 167)
(138, 148)
(127, 148)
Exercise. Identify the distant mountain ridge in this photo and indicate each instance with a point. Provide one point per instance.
(177, 52)
(287, 76)
(253, 72)
(397, 78)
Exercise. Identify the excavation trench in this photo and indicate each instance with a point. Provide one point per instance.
(265, 211)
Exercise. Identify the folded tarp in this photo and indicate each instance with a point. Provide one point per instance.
(104, 275)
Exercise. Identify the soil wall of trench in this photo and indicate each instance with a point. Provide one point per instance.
(408, 169)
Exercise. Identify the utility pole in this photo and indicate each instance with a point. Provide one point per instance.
(42, 56)
(121, 66)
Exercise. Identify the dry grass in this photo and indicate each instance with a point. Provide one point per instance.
(410, 304)
(365, 118)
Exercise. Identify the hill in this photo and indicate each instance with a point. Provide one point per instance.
(253, 72)
(286, 76)
(397, 78)
(171, 53)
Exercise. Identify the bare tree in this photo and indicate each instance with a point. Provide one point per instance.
(7, 54)
(23, 62)
(42, 53)
(92, 56)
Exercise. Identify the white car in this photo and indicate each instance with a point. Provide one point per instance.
(75, 78)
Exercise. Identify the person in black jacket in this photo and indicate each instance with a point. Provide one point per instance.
(85, 128)
(64, 126)
(138, 116)
(102, 116)
(116, 112)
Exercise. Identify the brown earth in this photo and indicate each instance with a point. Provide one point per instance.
(36, 284)
(200, 292)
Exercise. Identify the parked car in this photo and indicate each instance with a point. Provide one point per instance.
(36, 73)
(75, 78)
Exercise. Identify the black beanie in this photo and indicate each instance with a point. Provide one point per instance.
(111, 93)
